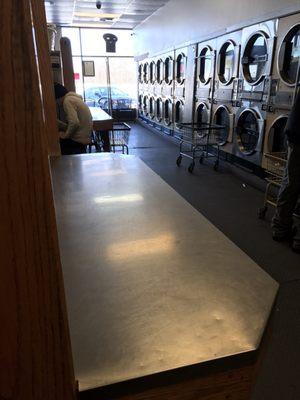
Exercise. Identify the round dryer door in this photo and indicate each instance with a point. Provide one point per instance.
(289, 55)
(222, 118)
(141, 73)
(255, 58)
(226, 62)
(140, 102)
(179, 108)
(159, 109)
(205, 64)
(248, 132)
(152, 72)
(146, 72)
(152, 107)
(277, 142)
(146, 105)
(202, 115)
(168, 70)
(168, 112)
(159, 71)
(180, 68)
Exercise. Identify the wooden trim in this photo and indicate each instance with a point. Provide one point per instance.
(35, 350)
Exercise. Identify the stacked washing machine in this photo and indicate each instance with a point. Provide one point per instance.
(140, 89)
(151, 90)
(180, 86)
(254, 89)
(283, 87)
(158, 106)
(225, 96)
(144, 89)
(167, 92)
(205, 81)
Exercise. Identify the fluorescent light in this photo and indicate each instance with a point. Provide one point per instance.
(96, 15)
(127, 198)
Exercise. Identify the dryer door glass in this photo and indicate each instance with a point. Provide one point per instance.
(222, 118)
(248, 132)
(146, 105)
(226, 62)
(159, 109)
(159, 72)
(140, 73)
(255, 58)
(169, 70)
(277, 142)
(201, 115)
(180, 68)
(168, 112)
(146, 72)
(205, 65)
(152, 72)
(289, 55)
(179, 111)
(140, 101)
(151, 106)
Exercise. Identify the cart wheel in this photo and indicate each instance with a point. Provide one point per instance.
(191, 167)
(262, 212)
(201, 159)
(216, 165)
(178, 161)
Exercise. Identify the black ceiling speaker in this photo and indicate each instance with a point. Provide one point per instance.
(110, 41)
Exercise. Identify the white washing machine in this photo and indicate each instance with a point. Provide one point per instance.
(168, 75)
(179, 86)
(257, 52)
(249, 133)
(205, 70)
(159, 73)
(286, 63)
(283, 87)
(225, 104)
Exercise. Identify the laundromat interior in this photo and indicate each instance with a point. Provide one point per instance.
(146, 263)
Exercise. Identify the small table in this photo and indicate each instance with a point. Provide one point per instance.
(102, 124)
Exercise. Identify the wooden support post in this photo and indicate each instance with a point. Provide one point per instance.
(35, 351)
(67, 64)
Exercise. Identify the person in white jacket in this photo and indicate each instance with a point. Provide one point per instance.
(75, 134)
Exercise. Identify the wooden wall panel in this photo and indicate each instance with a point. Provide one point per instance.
(39, 18)
(35, 351)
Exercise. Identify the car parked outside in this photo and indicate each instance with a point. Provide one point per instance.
(98, 97)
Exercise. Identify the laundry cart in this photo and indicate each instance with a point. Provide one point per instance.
(119, 137)
(275, 167)
(199, 141)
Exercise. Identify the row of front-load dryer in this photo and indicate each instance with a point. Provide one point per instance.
(244, 81)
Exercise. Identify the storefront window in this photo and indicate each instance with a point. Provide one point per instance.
(88, 45)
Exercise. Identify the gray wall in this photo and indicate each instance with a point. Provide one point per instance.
(187, 21)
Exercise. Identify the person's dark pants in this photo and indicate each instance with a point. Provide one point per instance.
(288, 196)
(69, 146)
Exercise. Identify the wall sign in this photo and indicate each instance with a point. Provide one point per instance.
(88, 68)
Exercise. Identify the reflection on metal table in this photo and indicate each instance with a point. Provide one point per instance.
(151, 285)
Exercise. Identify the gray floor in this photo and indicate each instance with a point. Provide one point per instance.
(231, 204)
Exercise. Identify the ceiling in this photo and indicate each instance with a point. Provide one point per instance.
(113, 14)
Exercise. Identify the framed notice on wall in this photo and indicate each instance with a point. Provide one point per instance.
(88, 68)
